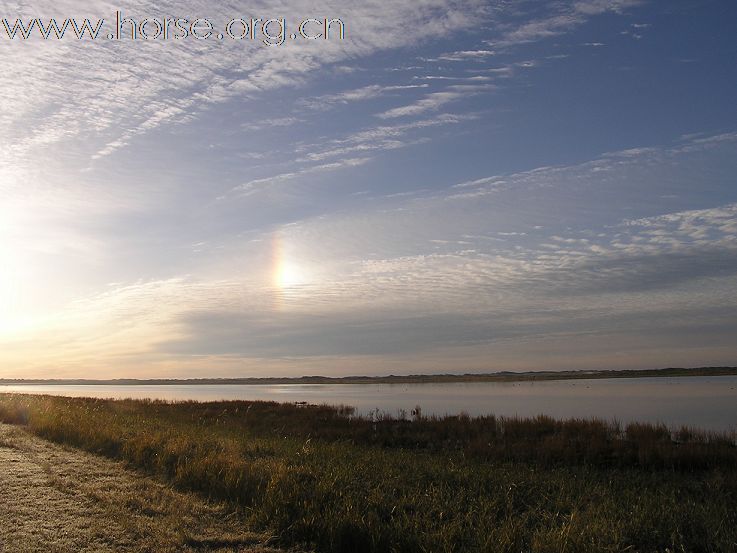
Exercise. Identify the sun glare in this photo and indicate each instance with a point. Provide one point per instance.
(289, 275)
(13, 277)
(10, 318)
(287, 272)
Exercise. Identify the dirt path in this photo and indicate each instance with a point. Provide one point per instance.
(56, 499)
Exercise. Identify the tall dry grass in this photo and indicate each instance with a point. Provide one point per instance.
(319, 477)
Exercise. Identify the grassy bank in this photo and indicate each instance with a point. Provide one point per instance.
(316, 477)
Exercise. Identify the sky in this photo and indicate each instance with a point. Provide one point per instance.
(457, 186)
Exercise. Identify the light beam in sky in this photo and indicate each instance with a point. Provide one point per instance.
(288, 273)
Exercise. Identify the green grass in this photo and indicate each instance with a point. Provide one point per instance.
(316, 477)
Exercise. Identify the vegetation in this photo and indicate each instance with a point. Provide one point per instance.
(64, 500)
(505, 376)
(318, 477)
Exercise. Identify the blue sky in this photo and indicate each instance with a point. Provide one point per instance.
(458, 186)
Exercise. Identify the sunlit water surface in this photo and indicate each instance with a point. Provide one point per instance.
(705, 402)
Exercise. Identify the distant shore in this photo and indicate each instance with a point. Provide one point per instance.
(505, 376)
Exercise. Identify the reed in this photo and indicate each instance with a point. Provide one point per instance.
(319, 477)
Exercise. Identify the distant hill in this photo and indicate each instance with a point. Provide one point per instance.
(504, 376)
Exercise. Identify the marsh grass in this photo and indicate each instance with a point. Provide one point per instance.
(317, 476)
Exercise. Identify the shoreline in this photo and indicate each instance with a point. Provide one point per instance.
(504, 376)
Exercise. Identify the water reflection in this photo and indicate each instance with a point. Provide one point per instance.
(705, 402)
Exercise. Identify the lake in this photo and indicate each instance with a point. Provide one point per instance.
(708, 402)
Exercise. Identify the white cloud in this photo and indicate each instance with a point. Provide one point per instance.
(565, 17)
(464, 55)
(357, 95)
(114, 91)
(385, 137)
(436, 100)
(256, 185)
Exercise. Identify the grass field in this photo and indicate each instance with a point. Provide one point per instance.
(317, 477)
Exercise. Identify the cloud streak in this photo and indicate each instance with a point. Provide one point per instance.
(438, 192)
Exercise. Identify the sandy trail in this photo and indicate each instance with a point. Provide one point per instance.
(58, 499)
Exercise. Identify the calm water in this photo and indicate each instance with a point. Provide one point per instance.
(706, 402)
